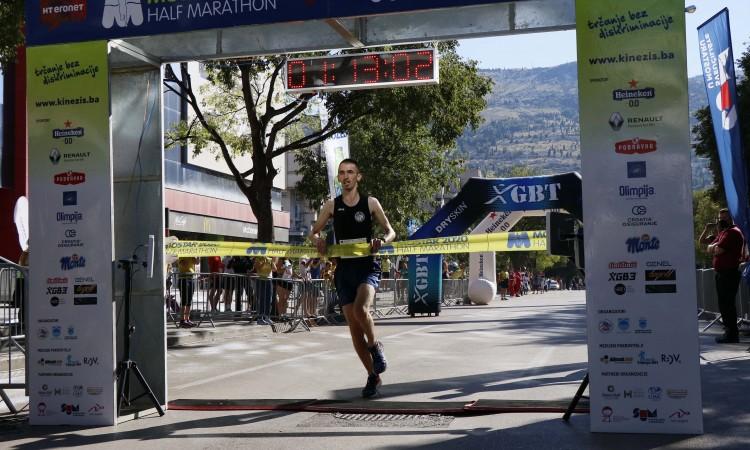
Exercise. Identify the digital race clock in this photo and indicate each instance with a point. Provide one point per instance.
(362, 71)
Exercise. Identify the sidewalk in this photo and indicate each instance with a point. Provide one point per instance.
(531, 348)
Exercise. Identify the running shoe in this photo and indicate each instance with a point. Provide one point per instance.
(371, 388)
(264, 320)
(379, 364)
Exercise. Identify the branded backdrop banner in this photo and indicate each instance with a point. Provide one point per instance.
(637, 199)
(715, 43)
(336, 150)
(477, 198)
(71, 334)
(58, 21)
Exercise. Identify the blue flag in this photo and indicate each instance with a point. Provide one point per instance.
(717, 63)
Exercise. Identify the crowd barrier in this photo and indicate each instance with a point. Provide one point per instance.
(221, 296)
(295, 302)
(13, 300)
(708, 302)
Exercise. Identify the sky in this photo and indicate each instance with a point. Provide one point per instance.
(554, 48)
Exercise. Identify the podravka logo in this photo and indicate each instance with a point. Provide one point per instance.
(55, 12)
(69, 177)
(635, 146)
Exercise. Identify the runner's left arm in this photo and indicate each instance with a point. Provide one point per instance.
(377, 211)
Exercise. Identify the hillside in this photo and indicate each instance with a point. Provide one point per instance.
(531, 119)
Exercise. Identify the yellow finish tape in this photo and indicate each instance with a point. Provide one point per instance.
(471, 243)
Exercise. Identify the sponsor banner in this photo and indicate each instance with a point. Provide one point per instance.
(717, 61)
(336, 150)
(482, 264)
(640, 281)
(506, 242)
(72, 353)
(58, 21)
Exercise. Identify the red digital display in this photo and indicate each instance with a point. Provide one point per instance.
(362, 71)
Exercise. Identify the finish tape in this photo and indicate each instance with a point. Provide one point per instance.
(519, 241)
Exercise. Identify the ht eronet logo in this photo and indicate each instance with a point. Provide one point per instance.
(55, 12)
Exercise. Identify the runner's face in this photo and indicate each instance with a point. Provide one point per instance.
(349, 176)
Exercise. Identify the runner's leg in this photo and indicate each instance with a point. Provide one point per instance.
(358, 337)
(362, 302)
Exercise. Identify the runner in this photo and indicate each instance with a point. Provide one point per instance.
(357, 277)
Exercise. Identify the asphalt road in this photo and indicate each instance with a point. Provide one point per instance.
(527, 348)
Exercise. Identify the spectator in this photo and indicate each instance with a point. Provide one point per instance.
(459, 273)
(263, 267)
(19, 294)
(503, 280)
(329, 270)
(308, 295)
(283, 275)
(216, 267)
(446, 271)
(726, 244)
(385, 267)
(402, 275)
(242, 266)
(315, 269)
(186, 285)
(227, 282)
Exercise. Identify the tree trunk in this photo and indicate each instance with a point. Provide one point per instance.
(259, 196)
(264, 214)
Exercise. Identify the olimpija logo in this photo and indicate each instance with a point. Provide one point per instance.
(122, 13)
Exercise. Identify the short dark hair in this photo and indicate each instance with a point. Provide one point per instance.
(350, 161)
(724, 211)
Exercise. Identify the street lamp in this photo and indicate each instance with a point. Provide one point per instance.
(690, 9)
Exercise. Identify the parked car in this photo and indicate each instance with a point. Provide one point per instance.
(553, 285)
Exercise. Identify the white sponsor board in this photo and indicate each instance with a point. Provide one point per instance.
(71, 362)
(336, 150)
(637, 200)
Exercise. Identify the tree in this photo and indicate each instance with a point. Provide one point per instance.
(705, 140)
(705, 210)
(242, 112)
(11, 30)
(406, 148)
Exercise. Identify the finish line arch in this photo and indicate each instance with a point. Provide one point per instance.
(95, 202)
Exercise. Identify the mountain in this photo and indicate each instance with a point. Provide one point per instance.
(531, 120)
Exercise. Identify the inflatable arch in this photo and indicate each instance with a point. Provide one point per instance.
(476, 199)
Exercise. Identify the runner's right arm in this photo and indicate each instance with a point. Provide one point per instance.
(326, 212)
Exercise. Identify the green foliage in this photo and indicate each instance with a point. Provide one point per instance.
(705, 210)
(405, 138)
(705, 140)
(11, 30)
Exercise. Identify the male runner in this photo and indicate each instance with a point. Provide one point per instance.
(357, 277)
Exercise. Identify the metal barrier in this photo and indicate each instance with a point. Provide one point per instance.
(708, 302)
(220, 296)
(454, 291)
(296, 303)
(390, 298)
(13, 301)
